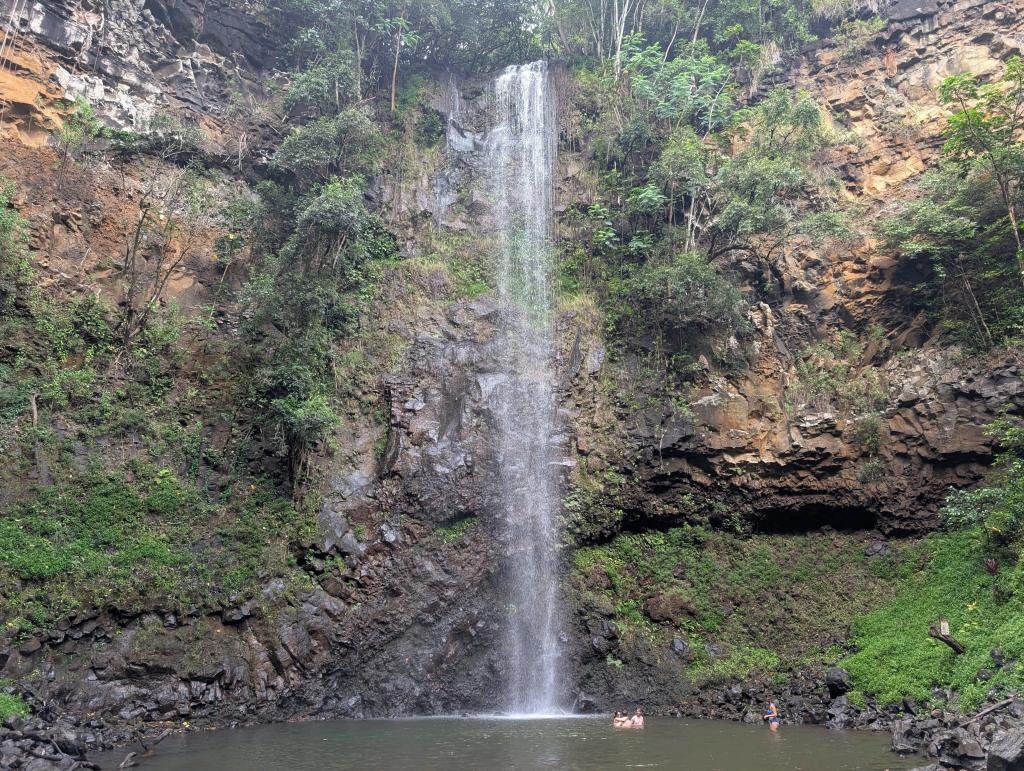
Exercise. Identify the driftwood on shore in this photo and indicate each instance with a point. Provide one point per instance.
(987, 710)
(132, 758)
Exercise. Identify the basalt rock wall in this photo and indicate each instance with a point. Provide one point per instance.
(410, 624)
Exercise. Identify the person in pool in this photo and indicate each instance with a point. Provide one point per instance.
(637, 721)
(620, 719)
(772, 716)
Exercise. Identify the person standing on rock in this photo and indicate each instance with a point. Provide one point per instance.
(772, 716)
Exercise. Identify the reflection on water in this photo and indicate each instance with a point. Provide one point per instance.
(492, 743)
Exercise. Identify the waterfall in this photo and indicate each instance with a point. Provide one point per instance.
(520, 153)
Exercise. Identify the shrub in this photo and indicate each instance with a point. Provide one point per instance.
(349, 143)
(853, 36)
(678, 297)
(15, 270)
(323, 89)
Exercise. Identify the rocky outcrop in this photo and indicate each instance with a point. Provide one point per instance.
(750, 438)
(803, 466)
(132, 59)
(35, 745)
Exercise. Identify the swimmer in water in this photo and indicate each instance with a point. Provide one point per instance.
(772, 716)
(637, 721)
(620, 719)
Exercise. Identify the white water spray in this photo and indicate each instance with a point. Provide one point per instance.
(519, 163)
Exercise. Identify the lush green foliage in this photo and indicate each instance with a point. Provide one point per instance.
(962, 237)
(348, 143)
(896, 658)
(772, 601)
(12, 705)
(457, 530)
(689, 184)
(974, 577)
(15, 270)
(134, 540)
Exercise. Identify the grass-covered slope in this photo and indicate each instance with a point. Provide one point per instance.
(896, 658)
(770, 601)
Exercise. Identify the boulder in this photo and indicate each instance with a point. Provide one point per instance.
(668, 607)
(1006, 752)
(838, 681)
(681, 648)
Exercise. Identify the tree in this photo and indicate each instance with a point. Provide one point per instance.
(348, 143)
(172, 213)
(78, 127)
(986, 130)
(764, 188)
(954, 238)
(957, 236)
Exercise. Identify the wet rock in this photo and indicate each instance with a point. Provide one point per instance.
(837, 680)
(840, 713)
(239, 613)
(716, 650)
(586, 704)
(878, 548)
(1006, 752)
(681, 648)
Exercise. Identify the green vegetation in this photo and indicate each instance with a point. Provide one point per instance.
(832, 374)
(770, 601)
(963, 235)
(854, 36)
(688, 185)
(11, 704)
(974, 577)
(457, 530)
(896, 658)
(137, 540)
(15, 269)
(78, 127)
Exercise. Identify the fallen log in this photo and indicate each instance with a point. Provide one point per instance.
(987, 710)
(947, 638)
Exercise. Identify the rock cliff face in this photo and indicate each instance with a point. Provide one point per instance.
(790, 457)
(410, 624)
(132, 59)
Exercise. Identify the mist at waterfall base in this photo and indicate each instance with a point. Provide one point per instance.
(518, 169)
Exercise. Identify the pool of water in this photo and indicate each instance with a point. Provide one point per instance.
(457, 744)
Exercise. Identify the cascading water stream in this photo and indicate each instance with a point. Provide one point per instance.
(519, 162)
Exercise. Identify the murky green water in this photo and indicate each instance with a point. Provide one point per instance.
(477, 744)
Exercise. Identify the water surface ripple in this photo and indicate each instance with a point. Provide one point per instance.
(454, 744)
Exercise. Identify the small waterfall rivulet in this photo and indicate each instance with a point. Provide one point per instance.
(520, 156)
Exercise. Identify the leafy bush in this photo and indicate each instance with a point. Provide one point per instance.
(15, 269)
(997, 506)
(79, 126)
(853, 36)
(349, 143)
(963, 234)
(325, 88)
(330, 219)
(679, 298)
